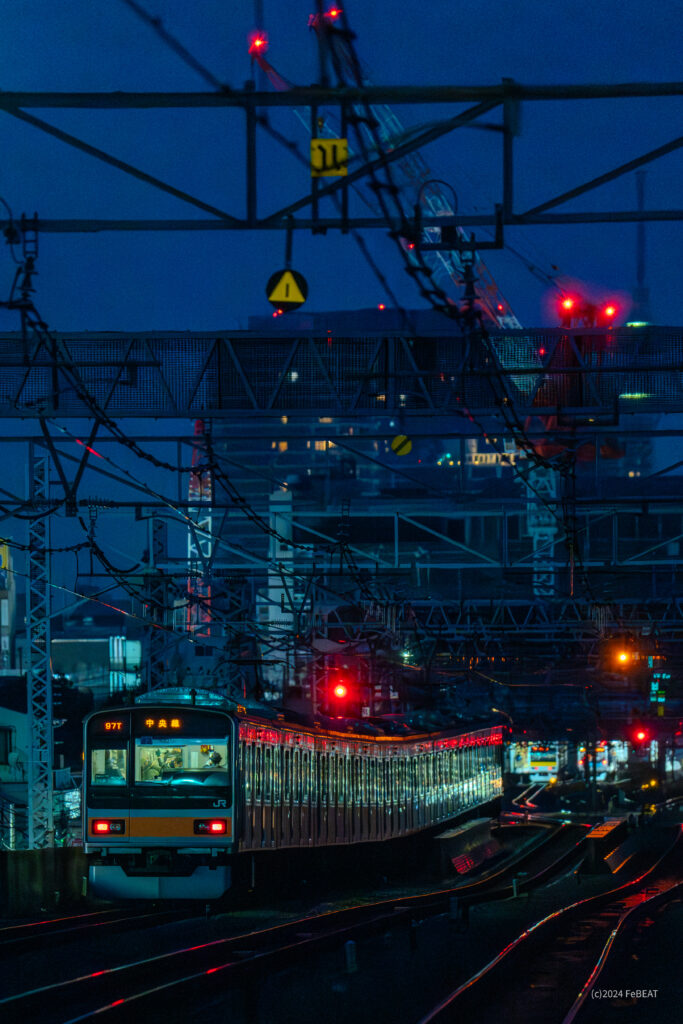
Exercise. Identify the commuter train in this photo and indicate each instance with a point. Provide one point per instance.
(177, 787)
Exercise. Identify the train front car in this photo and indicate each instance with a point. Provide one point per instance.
(159, 807)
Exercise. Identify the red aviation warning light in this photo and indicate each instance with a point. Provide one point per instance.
(606, 314)
(333, 13)
(258, 44)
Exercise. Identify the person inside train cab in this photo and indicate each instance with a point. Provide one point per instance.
(112, 769)
(214, 761)
(151, 768)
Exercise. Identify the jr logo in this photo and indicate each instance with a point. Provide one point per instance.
(220, 803)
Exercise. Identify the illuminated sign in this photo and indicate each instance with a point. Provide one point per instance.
(113, 726)
(163, 723)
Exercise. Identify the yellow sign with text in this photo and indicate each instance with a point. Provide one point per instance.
(329, 158)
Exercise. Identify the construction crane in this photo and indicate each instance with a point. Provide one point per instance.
(412, 171)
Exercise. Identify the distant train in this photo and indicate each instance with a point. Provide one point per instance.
(177, 787)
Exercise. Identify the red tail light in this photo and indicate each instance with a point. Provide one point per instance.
(109, 826)
(211, 827)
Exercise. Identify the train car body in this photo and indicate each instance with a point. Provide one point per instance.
(174, 792)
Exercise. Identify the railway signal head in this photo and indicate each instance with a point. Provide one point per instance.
(640, 737)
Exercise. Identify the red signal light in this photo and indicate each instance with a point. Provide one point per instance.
(567, 303)
(641, 735)
(610, 310)
(333, 13)
(340, 691)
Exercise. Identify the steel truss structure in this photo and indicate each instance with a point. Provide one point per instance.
(578, 375)
(39, 681)
(507, 98)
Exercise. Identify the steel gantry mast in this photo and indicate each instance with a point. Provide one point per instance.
(40, 762)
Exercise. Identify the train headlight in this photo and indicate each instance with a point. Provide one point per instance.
(211, 827)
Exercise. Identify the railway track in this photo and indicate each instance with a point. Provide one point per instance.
(20, 938)
(536, 978)
(198, 973)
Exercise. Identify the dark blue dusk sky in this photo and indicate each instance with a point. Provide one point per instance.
(216, 280)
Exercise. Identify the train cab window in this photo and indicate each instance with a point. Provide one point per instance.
(108, 767)
(181, 761)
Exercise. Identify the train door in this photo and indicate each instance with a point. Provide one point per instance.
(323, 796)
(257, 763)
(247, 807)
(370, 764)
(267, 792)
(304, 838)
(357, 801)
(387, 804)
(452, 798)
(342, 796)
(332, 769)
(276, 804)
(295, 796)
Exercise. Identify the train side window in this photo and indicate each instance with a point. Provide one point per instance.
(287, 775)
(277, 774)
(258, 751)
(108, 767)
(246, 752)
(305, 776)
(297, 776)
(332, 784)
(315, 770)
(324, 780)
(267, 773)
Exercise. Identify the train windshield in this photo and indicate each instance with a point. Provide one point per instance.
(108, 767)
(185, 749)
(192, 760)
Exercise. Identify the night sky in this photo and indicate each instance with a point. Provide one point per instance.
(207, 281)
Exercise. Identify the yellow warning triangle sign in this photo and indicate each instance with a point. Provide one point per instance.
(287, 290)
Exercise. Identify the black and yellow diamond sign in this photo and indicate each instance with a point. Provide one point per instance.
(287, 289)
(329, 158)
(401, 445)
